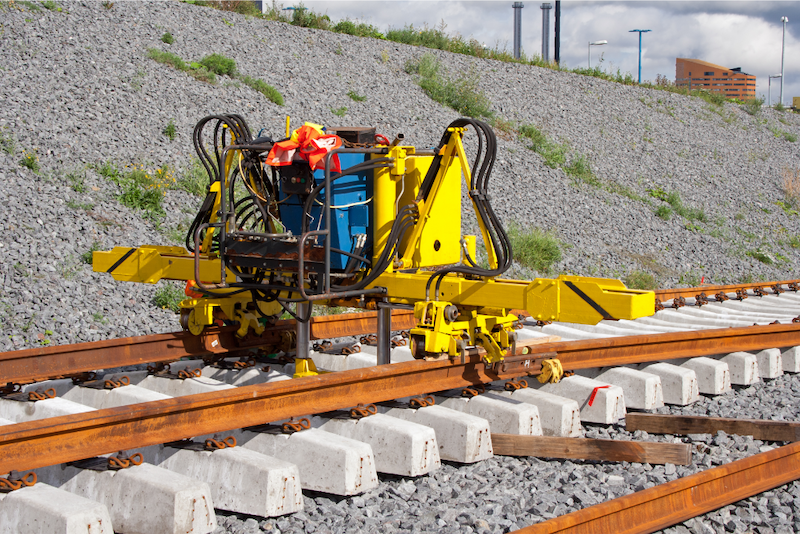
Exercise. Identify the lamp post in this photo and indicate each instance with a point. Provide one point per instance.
(769, 86)
(640, 50)
(591, 44)
(783, 44)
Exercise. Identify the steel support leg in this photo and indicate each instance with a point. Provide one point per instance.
(384, 334)
(303, 330)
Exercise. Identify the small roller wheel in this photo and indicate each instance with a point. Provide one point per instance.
(417, 346)
(185, 318)
(188, 322)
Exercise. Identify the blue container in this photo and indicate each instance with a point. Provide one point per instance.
(351, 209)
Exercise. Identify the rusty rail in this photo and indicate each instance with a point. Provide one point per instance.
(664, 505)
(62, 439)
(689, 292)
(41, 363)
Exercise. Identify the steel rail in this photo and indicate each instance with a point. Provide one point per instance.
(42, 363)
(664, 295)
(664, 505)
(68, 438)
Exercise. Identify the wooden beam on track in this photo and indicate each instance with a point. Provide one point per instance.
(690, 424)
(664, 505)
(606, 450)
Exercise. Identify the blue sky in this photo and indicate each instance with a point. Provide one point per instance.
(731, 34)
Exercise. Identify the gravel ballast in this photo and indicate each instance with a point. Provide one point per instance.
(79, 90)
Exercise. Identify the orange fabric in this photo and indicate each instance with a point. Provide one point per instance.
(310, 145)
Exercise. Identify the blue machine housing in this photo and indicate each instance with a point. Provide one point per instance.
(351, 209)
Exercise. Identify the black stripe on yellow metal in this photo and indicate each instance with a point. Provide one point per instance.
(599, 309)
(121, 260)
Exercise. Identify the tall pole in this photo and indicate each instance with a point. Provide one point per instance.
(517, 28)
(783, 44)
(557, 48)
(640, 50)
(546, 32)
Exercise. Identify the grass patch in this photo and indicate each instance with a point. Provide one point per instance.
(219, 64)
(534, 248)
(461, 94)
(140, 188)
(580, 169)
(339, 112)
(673, 198)
(196, 70)
(777, 132)
(30, 160)
(753, 106)
(194, 180)
(640, 280)
(663, 212)
(167, 38)
(554, 154)
(169, 130)
(760, 256)
(87, 256)
(85, 206)
(272, 94)
(76, 182)
(7, 143)
(355, 96)
(169, 297)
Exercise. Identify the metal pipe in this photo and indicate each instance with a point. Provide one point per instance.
(384, 334)
(303, 329)
(517, 28)
(546, 32)
(557, 30)
(783, 46)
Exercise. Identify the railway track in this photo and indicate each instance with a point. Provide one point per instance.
(236, 398)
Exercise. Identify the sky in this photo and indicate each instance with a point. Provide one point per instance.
(731, 34)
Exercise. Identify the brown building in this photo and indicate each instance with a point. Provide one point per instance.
(697, 74)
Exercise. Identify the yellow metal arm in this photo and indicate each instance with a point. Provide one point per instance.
(149, 264)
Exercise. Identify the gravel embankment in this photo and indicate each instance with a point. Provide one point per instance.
(78, 88)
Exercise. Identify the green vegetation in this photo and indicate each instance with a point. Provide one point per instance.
(777, 132)
(50, 5)
(355, 96)
(580, 169)
(534, 248)
(167, 38)
(219, 64)
(195, 70)
(359, 29)
(461, 94)
(753, 106)
(86, 257)
(640, 280)
(194, 180)
(264, 88)
(7, 143)
(169, 130)
(554, 154)
(760, 256)
(663, 212)
(30, 160)
(673, 198)
(339, 112)
(140, 188)
(76, 181)
(169, 297)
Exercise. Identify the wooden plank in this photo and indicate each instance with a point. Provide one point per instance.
(592, 449)
(691, 424)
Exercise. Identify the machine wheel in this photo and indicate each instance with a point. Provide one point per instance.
(417, 346)
(188, 322)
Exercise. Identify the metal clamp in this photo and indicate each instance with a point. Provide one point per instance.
(473, 391)
(16, 481)
(363, 410)
(293, 425)
(122, 461)
(212, 444)
(514, 384)
(421, 402)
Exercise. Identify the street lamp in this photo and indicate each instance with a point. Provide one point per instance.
(640, 50)
(591, 44)
(769, 90)
(783, 43)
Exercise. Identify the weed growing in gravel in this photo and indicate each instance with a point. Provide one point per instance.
(194, 180)
(87, 257)
(355, 96)
(76, 181)
(663, 212)
(107, 169)
(534, 247)
(640, 280)
(50, 5)
(339, 112)
(142, 189)
(753, 106)
(794, 241)
(461, 94)
(264, 88)
(673, 198)
(581, 170)
(760, 256)
(107, 4)
(554, 154)
(75, 205)
(169, 130)
(777, 132)
(195, 70)
(167, 38)
(779, 107)
(219, 64)
(30, 5)
(30, 160)
(786, 207)
(7, 143)
(169, 296)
